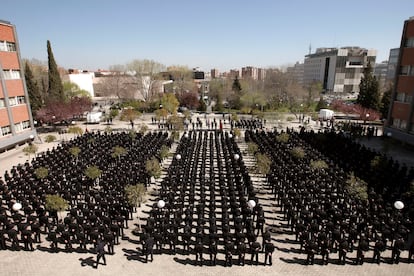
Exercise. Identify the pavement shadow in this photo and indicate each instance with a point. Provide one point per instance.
(134, 255)
(90, 261)
(294, 261)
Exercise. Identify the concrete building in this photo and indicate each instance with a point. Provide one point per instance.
(83, 79)
(214, 73)
(250, 72)
(16, 122)
(338, 69)
(392, 63)
(297, 71)
(400, 121)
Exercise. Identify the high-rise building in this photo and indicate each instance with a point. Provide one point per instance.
(250, 72)
(338, 69)
(392, 63)
(400, 121)
(214, 73)
(16, 122)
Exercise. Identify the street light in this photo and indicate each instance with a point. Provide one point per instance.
(251, 203)
(17, 206)
(236, 156)
(178, 156)
(398, 205)
(160, 203)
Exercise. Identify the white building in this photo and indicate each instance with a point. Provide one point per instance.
(84, 80)
(338, 69)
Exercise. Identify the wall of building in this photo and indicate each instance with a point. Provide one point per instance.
(16, 122)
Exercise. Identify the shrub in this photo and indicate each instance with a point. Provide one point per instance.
(135, 194)
(153, 168)
(318, 165)
(75, 130)
(282, 137)
(252, 148)
(356, 187)
(118, 151)
(41, 172)
(50, 138)
(298, 152)
(93, 172)
(263, 163)
(55, 203)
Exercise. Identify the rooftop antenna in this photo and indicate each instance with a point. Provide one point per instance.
(310, 48)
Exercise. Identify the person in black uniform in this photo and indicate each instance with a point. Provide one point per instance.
(343, 249)
(241, 251)
(199, 253)
(396, 250)
(269, 248)
(100, 253)
(228, 248)
(363, 246)
(27, 239)
(213, 251)
(378, 248)
(255, 249)
(411, 252)
(310, 248)
(149, 248)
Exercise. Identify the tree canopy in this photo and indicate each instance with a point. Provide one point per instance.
(368, 90)
(55, 90)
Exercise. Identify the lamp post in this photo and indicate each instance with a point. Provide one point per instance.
(237, 157)
(178, 157)
(17, 206)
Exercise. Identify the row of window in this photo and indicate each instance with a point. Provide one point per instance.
(11, 74)
(13, 101)
(7, 46)
(403, 97)
(6, 130)
(398, 123)
(409, 42)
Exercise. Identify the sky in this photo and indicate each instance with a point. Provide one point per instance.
(222, 34)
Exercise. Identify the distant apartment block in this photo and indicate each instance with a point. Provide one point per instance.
(338, 69)
(16, 122)
(297, 72)
(250, 72)
(400, 121)
(214, 73)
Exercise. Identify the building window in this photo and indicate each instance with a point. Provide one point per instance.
(403, 124)
(26, 124)
(12, 101)
(409, 42)
(396, 122)
(21, 100)
(11, 74)
(400, 97)
(409, 99)
(7, 46)
(2, 104)
(5, 130)
(18, 127)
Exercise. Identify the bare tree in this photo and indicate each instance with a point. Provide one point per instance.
(146, 73)
(117, 84)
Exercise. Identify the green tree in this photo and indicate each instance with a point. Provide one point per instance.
(71, 90)
(118, 151)
(30, 149)
(135, 194)
(368, 96)
(170, 103)
(33, 90)
(236, 87)
(55, 90)
(263, 163)
(75, 130)
(93, 173)
(41, 172)
(153, 167)
(385, 102)
(202, 106)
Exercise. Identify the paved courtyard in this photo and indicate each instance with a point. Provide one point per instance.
(127, 260)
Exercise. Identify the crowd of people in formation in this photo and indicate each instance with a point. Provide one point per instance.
(209, 206)
(248, 123)
(324, 212)
(98, 209)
